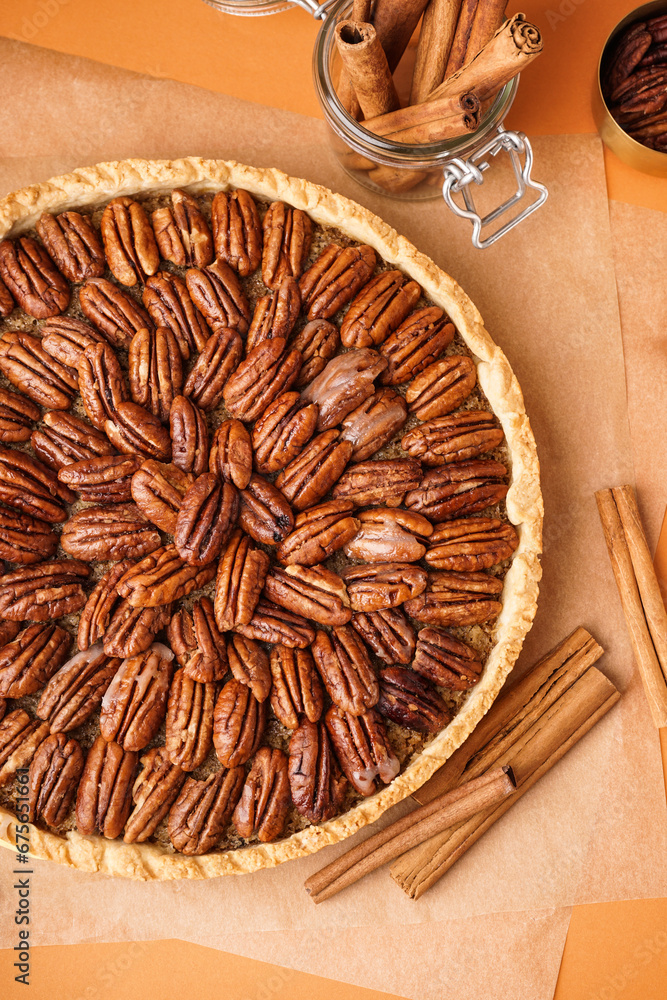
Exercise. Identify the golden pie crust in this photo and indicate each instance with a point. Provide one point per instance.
(92, 186)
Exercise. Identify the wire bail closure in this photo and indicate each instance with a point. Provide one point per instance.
(319, 11)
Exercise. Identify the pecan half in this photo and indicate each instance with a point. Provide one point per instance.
(24, 539)
(389, 535)
(265, 800)
(73, 244)
(17, 414)
(26, 365)
(182, 232)
(345, 668)
(189, 436)
(362, 748)
(96, 614)
(312, 591)
(111, 532)
(208, 513)
(388, 633)
(19, 738)
(238, 724)
(162, 577)
(459, 489)
(27, 663)
(208, 661)
(8, 631)
(44, 591)
(297, 689)
(104, 798)
(346, 382)
(378, 309)
(32, 278)
(379, 482)
(267, 371)
(189, 726)
(282, 431)
(287, 236)
(28, 485)
(318, 533)
(334, 278)
(76, 691)
(181, 636)
(106, 479)
(54, 776)
(206, 382)
(315, 471)
(154, 792)
(167, 299)
(155, 370)
(442, 387)
(158, 490)
(457, 599)
(218, 294)
(101, 384)
(317, 786)
(134, 430)
(265, 513)
(383, 585)
(273, 624)
(6, 300)
(417, 343)
(237, 231)
(66, 338)
(250, 665)
(446, 661)
(410, 701)
(132, 630)
(129, 242)
(230, 457)
(203, 809)
(453, 438)
(275, 315)
(471, 543)
(242, 571)
(318, 342)
(113, 311)
(135, 702)
(64, 439)
(374, 423)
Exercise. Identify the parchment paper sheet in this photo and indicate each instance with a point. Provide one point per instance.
(594, 828)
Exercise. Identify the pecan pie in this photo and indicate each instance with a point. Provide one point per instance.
(269, 517)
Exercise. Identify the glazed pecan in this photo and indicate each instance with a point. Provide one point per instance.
(318, 533)
(383, 585)
(113, 311)
(334, 278)
(457, 599)
(230, 457)
(297, 689)
(155, 370)
(167, 299)
(362, 748)
(32, 278)
(388, 633)
(206, 382)
(189, 727)
(111, 532)
(129, 242)
(101, 384)
(6, 300)
(44, 591)
(374, 423)
(267, 371)
(318, 342)
(381, 482)
(282, 431)
(104, 798)
(154, 792)
(96, 614)
(189, 436)
(389, 535)
(26, 365)
(442, 387)
(446, 661)
(265, 513)
(24, 539)
(471, 543)
(417, 343)
(54, 776)
(76, 691)
(28, 485)
(8, 631)
(65, 439)
(208, 513)
(238, 724)
(237, 231)
(346, 382)
(379, 308)
(17, 414)
(132, 630)
(162, 577)
(459, 489)
(273, 624)
(218, 294)
(287, 236)
(265, 800)
(19, 738)
(181, 636)
(315, 471)
(249, 664)
(317, 786)
(27, 663)
(158, 490)
(242, 571)
(73, 244)
(66, 338)
(106, 479)
(275, 315)
(345, 668)
(203, 809)
(135, 702)
(208, 661)
(312, 591)
(410, 701)
(136, 431)
(453, 438)
(182, 232)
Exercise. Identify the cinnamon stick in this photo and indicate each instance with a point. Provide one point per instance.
(433, 48)
(367, 67)
(396, 180)
(459, 45)
(453, 807)
(430, 122)
(361, 11)
(489, 16)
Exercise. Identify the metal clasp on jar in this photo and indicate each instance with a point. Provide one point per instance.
(319, 11)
